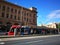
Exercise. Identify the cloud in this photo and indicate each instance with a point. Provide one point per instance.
(54, 15)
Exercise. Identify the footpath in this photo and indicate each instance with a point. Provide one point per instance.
(26, 37)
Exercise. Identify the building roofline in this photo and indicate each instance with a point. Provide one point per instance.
(18, 6)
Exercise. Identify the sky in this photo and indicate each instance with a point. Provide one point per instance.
(48, 10)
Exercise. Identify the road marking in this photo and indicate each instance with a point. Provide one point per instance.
(0, 39)
(2, 43)
(32, 42)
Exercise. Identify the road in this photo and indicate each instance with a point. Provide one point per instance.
(55, 40)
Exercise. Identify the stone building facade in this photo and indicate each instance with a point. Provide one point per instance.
(11, 14)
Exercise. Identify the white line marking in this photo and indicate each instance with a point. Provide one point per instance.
(32, 42)
(0, 40)
(2, 43)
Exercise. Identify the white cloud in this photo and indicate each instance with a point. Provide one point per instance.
(54, 15)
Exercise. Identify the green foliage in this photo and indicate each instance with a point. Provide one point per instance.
(59, 25)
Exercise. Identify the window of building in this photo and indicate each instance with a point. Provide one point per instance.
(15, 11)
(7, 15)
(27, 14)
(11, 9)
(34, 15)
(15, 17)
(30, 20)
(27, 19)
(8, 8)
(24, 19)
(22, 12)
(19, 12)
(3, 8)
(3, 14)
(34, 21)
(11, 16)
(0, 6)
(18, 18)
(30, 15)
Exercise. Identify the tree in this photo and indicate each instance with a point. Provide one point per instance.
(58, 26)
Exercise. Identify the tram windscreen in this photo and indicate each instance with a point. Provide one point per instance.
(12, 30)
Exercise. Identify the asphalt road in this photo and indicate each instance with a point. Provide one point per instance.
(36, 41)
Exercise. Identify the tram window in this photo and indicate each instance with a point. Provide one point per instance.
(12, 30)
(18, 29)
(25, 30)
(0, 30)
(22, 29)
